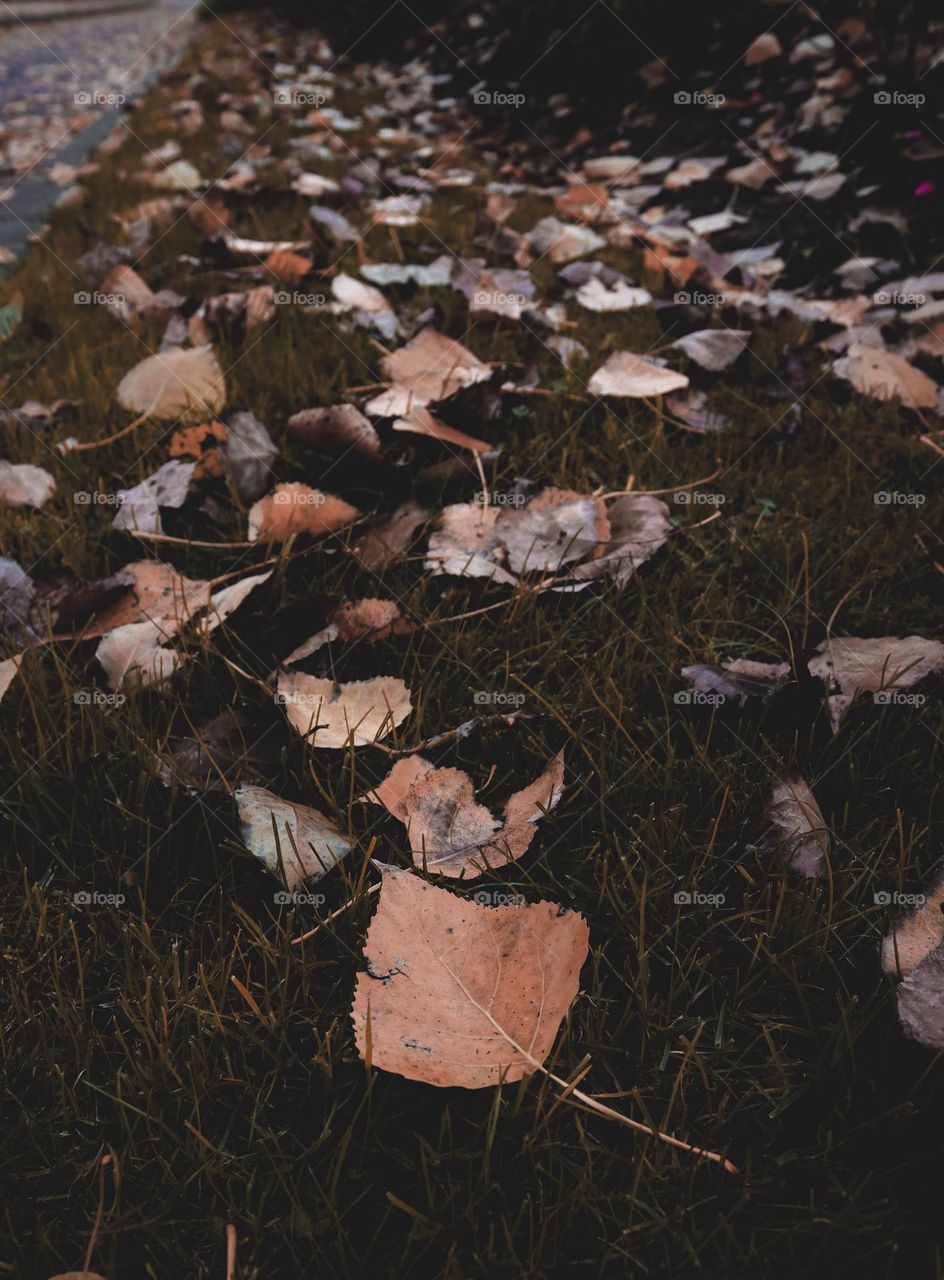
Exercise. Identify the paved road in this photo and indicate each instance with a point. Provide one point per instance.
(61, 87)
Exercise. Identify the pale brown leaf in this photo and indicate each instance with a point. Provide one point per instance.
(461, 994)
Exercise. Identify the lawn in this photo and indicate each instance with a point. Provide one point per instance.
(182, 1034)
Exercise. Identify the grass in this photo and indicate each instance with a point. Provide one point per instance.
(762, 1027)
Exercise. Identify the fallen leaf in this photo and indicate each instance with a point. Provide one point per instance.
(921, 1001)
(850, 666)
(23, 485)
(449, 831)
(421, 422)
(802, 835)
(354, 294)
(885, 376)
(202, 444)
(140, 507)
(297, 508)
(248, 455)
(339, 429)
(461, 994)
(596, 296)
(335, 715)
(391, 536)
(714, 349)
(368, 619)
(639, 525)
(429, 368)
(738, 680)
(8, 669)
(288, 266)
(174, 383)
(631, 376)
(917, 934)
(561, 241)
(209, 216)
(294, 842)
(765, 46)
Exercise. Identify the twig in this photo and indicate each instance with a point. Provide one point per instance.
(132, 426)
(303, 937)
(675, 488)
(99, 1214)
(230, 1251)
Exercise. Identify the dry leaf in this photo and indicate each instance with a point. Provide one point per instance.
(248, 455)
(391, 536)
(209, 216)
(919, 933)
(173, 383)
(421, 422)
(561, 241)
(460, 994)
(353, 294)
(156, 593)
(201, 443)
(765, 46)
(802, 834)
(639, 525)
(333, 715)
(429, 368)
(292, 841)
(714, 349)
(595, 296)
(851, 666)
(368, 619)
(738, 680)
(337, 429)
(449, 831)
(885, 376)
(23, 485)
(632, 376)
(8, 669)
(297, 508)
(921, 1001)
(288, 266)
(140, 507)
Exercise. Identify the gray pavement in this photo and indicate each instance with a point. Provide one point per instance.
(63, 85)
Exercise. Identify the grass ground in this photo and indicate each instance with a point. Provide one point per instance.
(762, 1027)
